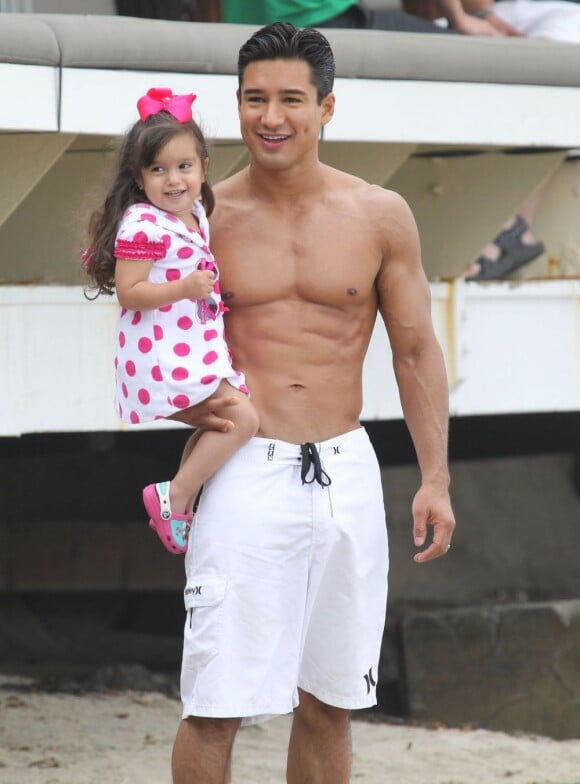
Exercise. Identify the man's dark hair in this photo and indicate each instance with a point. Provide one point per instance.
(283, 41)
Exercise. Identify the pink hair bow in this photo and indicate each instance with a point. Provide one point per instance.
(160, 99)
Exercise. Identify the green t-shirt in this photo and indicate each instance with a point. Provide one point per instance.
(301, 13)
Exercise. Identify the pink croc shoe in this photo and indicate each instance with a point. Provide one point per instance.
(171, 528)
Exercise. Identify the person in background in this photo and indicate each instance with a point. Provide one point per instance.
(346, 14)
(556, 20)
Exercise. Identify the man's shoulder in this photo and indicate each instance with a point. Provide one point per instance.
(368, 195)
(232, 187)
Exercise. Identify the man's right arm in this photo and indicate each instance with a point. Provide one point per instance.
(210, 414)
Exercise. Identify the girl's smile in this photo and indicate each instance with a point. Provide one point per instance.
(173, 181)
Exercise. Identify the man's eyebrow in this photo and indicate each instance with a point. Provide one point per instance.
(287, 91)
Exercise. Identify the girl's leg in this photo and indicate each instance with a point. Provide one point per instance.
(187, 450)
(207, 450)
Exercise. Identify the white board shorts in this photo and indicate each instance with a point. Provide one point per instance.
(286, 583)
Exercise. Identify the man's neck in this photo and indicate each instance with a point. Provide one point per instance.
(286, 185)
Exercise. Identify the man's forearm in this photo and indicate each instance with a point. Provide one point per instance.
(424, 397)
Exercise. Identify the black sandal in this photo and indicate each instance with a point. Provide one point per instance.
(514, 253)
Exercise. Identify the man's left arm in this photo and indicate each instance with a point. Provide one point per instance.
(405, 304)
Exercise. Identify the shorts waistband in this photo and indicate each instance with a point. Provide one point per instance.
(270, 449)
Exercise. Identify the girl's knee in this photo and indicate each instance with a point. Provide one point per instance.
(245, 418)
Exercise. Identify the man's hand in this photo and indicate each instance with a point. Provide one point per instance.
(432, 506)
(207, 415)
(472, 25)
(503, 27)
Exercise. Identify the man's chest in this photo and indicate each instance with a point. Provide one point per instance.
(331, 262)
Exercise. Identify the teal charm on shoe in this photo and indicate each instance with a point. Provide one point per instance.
(170, 527)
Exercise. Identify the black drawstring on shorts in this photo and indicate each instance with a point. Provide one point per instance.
(311, 459)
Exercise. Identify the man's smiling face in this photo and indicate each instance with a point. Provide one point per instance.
(280, 117)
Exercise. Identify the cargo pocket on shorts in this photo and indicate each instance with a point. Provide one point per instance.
(203, 596)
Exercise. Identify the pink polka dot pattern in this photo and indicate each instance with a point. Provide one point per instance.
(179, 374)
(181, 401)
(171, 357)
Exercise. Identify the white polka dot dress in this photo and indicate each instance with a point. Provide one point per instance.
(175, 356)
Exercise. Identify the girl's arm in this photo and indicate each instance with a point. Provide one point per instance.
(136, 292)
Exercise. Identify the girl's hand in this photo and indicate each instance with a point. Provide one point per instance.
(199, 284)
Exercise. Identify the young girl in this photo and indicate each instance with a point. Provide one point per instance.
(150, 242)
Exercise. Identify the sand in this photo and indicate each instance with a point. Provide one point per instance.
(126, 738)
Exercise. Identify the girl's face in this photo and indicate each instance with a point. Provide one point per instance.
(173, 181)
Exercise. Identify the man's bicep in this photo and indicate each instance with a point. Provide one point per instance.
(403, 290)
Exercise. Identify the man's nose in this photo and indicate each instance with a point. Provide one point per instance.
(273, 114)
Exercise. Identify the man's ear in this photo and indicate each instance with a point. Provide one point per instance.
(327, 108)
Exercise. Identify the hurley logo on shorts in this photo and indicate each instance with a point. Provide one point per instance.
(271, 448)
(195, 591)
(369, 680)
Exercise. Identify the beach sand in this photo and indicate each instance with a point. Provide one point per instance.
(126, 738)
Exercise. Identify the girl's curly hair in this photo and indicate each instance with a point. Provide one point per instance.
(138, 150)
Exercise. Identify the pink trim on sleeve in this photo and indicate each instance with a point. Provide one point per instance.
(139, 251)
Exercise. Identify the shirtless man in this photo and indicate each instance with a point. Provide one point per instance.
(287, 564)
